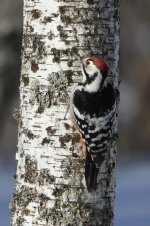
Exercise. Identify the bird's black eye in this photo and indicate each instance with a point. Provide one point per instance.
(87, 62)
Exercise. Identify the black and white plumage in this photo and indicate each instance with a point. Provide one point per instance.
(94, 108)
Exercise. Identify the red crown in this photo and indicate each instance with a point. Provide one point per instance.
(100, 64)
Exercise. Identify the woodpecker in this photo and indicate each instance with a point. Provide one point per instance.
(94, 108)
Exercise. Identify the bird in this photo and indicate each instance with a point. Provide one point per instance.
(94, 105)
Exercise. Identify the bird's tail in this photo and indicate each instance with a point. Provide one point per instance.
(91, 173)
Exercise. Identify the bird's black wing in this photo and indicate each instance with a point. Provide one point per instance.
(95, 118)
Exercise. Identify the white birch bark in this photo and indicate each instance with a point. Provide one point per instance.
(50, 187)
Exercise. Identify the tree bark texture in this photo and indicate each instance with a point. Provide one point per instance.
(50, 186)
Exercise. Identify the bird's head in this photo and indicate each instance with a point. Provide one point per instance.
(94, 71)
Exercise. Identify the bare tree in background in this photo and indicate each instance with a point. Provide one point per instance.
(50, 187)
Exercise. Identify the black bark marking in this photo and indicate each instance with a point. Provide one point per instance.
(36, 14)
(67, 126)
(34, 66)
(31, 28)
(65, 139)
(50, 131)
(90, 2)
(29, 134)
(45, 141)
(57, 192)
(56, 53)
(40, 109)
(47, 19)
(45, 177)
(39, 47)
(25, 80)
(76, 138)
(30, 170)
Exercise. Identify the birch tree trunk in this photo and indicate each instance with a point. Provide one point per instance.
(50, 187)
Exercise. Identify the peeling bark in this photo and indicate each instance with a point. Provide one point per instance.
(50, 186)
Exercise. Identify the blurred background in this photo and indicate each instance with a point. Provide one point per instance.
(132, 207)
